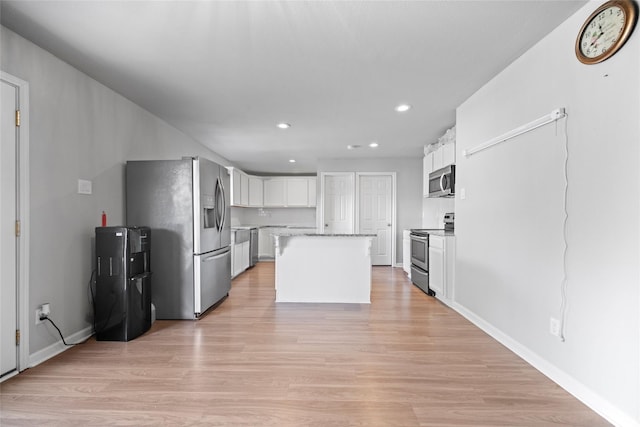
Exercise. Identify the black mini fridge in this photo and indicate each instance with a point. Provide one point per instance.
(123, 283)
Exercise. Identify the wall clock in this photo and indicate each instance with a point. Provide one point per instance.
(605, 31)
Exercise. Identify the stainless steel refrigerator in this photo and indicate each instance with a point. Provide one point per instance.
(186, 205)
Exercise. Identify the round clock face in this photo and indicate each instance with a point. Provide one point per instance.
(602, 32)
(605, 31)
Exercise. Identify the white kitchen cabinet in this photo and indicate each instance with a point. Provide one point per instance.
(235, 186)
(275, 191)
(256, 191)
(448, 154)
(240, 251)
(436, 265)
(240, 257)
(234, 254)
(246, 255)
(297, 192)
(441, 266)
(244, 189)
(239, 187)
(312, 185)
(406, 252)
(290, 192)
(235, 259)
(444, 155)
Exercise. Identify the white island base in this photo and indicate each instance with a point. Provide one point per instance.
(323, 268)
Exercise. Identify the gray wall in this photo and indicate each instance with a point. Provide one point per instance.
(78, 129)
(509, 229)
(408, 184)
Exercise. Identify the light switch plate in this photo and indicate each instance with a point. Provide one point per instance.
(84, 186)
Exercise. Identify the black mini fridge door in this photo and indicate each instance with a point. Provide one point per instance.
(123, 283)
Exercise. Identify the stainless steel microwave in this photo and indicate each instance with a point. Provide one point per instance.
(442, 182)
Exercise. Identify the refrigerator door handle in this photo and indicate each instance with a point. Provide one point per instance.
(221, 203)
(214, 257)
(224, 204)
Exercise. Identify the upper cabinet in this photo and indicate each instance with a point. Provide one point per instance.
(444, 155)
(240, 187)
(256, 192)
(244, 189)
(278, 191)
(235, 186)
(275, 192)
(290, 192)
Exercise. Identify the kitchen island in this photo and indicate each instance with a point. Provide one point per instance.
(329, 268)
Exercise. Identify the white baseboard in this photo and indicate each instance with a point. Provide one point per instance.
(58, 347)
(583, 393)
(11, 375)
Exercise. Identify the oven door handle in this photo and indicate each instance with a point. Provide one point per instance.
(413, 236)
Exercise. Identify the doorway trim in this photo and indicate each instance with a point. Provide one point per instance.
(22, 190)
(356, 206)
(393, 207)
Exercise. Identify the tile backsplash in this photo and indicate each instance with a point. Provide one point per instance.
(433, 210)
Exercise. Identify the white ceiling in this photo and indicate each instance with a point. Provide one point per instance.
(226, 72)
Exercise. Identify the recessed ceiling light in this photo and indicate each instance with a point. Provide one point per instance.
(284, 125)
(292, 160)
(353, 147)
(373, 145)
(403, 107)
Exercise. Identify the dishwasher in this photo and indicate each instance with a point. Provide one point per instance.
(253, 247)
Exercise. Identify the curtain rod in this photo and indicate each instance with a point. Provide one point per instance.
(554, 115)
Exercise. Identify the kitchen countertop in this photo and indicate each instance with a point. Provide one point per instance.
(324, 235)
(292, 227)
(435, 231)
(442, 233)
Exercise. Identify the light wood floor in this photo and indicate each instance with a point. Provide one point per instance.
(404, 360)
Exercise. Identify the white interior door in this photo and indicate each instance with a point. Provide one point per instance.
(375, 214)
(8, 264)
(338, 213)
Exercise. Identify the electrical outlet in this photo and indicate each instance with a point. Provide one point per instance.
(84, 186)
(554, 326)
(43, 311)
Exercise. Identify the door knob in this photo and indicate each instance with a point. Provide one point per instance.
(388, 225)
(326, 225)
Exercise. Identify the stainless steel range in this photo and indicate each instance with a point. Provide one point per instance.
(420, 259)
(420, 253)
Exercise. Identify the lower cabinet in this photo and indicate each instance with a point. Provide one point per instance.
(240, 251)
(441, 266)
(239, 258)
(406, 252)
